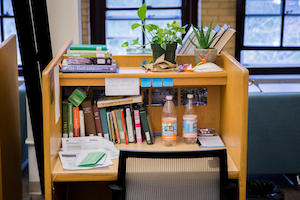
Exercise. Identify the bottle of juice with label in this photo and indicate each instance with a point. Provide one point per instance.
(189, 122)
(169, 122)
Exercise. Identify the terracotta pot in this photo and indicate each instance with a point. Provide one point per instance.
(212, 55)
(170, 52)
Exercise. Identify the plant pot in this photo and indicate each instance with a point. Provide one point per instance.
(211, 57)
(170, 54)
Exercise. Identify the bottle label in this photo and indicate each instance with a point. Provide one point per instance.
(189, 126)
(169, 129)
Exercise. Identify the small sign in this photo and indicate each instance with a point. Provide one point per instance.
(157, 82)
(168, 82)
(145, 82)
(56, 93)
(122, 86)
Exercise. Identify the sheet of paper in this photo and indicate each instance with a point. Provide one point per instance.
(145, 82)
(168, 82)
(157, 82)
(122, 86)
(56, 93)
(210, 141)
(131, 71)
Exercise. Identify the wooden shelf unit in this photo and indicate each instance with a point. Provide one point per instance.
(226, 111)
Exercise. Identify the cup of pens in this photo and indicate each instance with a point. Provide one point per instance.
(205, 55)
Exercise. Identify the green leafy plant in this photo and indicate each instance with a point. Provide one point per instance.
(203, 38)
(156, 35)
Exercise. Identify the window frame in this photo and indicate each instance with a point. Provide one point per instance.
(239, 43)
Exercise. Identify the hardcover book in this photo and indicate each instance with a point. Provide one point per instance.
(97, 121)
(70, 120)
(88, 117)
(120, 101)
(120, 125)
(104, 123)
(82, 126)
(65, 68)
(76, 122)
(88, 61)
(65, 119)
(98, 47)
(146, 127)
(117, 137)
(130, 129)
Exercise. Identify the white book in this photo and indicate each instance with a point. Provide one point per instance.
(81, 121)
(129, 125)
(224, 39)
(185, 40)
(190, 45)
(219, 34)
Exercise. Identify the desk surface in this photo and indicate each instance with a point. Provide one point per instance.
(110, 173)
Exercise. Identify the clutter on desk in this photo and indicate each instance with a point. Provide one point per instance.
(207, 137)
(161, 65)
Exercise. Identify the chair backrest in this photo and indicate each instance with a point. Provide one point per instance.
(172, 175)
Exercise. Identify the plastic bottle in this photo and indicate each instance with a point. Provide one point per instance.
(189, 122)
(169, 122)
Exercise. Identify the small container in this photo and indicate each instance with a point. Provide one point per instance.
(189, 122)
(169, 122)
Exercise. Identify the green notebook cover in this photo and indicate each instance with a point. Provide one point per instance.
(104, 123)
(146, 127)
(65, 118)
(70, 120)
(120, 126)
(77, 97)
(94, 47)
(91, 159)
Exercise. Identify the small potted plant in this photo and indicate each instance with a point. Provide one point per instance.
(162, 40)
(202, 45)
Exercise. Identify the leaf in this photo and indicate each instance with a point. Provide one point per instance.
(125, 44)
(197, 36)
(142, 12)
(134, 26)
(208, 33)
(163, 45)
(212, 39)
(148, 27)
(193, 43)
(136, 41)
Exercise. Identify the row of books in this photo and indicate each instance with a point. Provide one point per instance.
(121, 120)
(223, 34)
(88, 58)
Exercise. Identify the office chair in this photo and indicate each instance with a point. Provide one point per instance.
(151, 175)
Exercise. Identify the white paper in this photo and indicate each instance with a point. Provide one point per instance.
(131, 71)
(56, 93)
(122, 86)
(210, 141)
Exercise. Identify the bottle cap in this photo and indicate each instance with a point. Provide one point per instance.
(190, 96)
(169, 97)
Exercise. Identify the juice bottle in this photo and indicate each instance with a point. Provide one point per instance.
(169, 122)
(189, 122)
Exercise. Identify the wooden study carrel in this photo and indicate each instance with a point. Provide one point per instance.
(226, 111)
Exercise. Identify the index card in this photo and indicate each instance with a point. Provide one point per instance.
(122, 86)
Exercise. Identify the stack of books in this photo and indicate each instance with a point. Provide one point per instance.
(223, 33)
(89, 58)
(118, 119)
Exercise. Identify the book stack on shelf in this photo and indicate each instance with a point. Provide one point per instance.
(118, 119)
(223, 33)
(89, 58)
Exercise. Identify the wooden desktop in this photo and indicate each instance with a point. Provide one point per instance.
(226, 111)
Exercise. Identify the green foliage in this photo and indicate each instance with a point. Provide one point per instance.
(161, 36)
(203, 41)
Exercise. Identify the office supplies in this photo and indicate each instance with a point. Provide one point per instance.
(210, 141)
(91, 159)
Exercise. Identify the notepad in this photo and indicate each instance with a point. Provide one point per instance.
(91, 159)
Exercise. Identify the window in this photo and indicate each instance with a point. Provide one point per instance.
(111, 20)
(268, 39)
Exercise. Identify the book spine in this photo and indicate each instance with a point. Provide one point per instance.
(88, 61)
(76, 122)
(65, 119)
(89, 47)
(124, 126)
(117, 137)
(120, 126)
(82, 127)
(118, 102)
(111, 123)
(97, 121)
(137, 123)
(129, 125)
(89, 68)
(89, 120)
(108, 124)
(89, 55)
(70, 120)
(104, 123)
(146, 127)
(89, 52)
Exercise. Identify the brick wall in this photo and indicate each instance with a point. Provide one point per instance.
(85, 28)
(222, 12)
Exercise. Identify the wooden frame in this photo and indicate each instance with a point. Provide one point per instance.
(227, 112)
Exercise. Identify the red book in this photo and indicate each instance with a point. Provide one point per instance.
(97, 120)
(124, 126)
(76, 122)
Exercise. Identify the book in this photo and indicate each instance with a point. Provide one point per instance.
(210, 141)
(88, 61)
(104, 53)
(98, 47)
(77, 97)
(120, 101)
(89, 55)
(214, 31)
(88, 117)
(117, 137)
(137, 124)
(104, 123)
(76, 122)
(146, 127)
(124, 125)
(111, 126)
(70, 120)
(82, 126)
(129, 124)
(219, 35)
(224, 39)
(65, 68)
(185, 41)
(97, 120)
(65, 119)
(120, 125)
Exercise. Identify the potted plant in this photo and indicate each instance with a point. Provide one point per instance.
(202, 45)
(162, 40)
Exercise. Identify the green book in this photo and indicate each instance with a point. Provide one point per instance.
(70, 120)
(65, 119)
(77, 97)
(91, 159)
(120, 126)
(93, 47)
(104, 123)
(146, 127)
